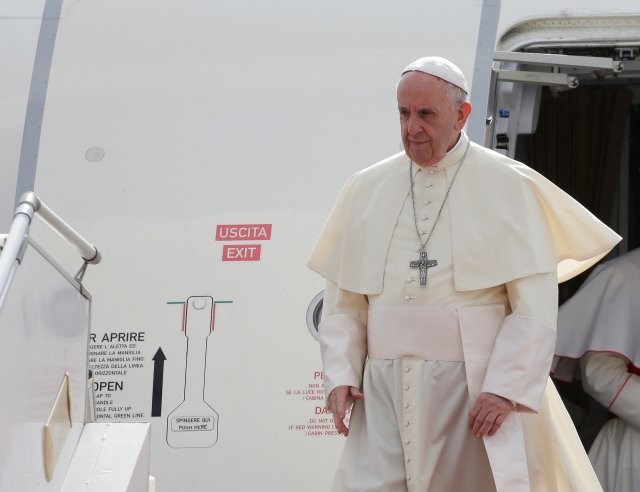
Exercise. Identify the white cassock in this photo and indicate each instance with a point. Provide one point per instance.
(485, 322)
(600, 325)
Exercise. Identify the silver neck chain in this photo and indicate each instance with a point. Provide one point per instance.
(423, 245)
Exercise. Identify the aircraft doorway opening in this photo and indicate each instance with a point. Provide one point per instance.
(587, 141)
(571, 113)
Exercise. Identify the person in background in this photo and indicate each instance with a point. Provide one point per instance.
(600, 326)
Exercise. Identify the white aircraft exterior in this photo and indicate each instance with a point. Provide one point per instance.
(200, 145)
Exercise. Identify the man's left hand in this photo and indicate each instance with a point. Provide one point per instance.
(488, 413)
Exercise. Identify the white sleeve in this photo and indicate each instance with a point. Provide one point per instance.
(519, 365)
(343, 337)
(605, 377)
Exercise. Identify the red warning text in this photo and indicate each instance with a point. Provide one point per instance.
(241, 252)
(243, 232)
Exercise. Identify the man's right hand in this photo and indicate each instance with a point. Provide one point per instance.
(340, 401)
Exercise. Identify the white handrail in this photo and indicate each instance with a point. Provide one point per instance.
(87, 250)
(12, 251)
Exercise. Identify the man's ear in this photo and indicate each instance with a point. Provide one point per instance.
(464, 110)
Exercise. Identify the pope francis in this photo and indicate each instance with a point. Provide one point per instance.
(439, 317)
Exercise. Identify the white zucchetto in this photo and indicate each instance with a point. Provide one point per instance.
(441, 68)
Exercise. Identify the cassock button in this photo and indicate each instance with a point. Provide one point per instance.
(407, 387)
(409, 478)
(428, 185)
(407, 442)
(407, 369)
(406, 405)
(408, 423)
(427, 202)
(408, 460)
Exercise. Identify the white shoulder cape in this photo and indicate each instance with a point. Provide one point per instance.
(604, 314)
(507, 222)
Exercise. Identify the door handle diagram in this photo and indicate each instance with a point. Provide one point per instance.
(194, 423)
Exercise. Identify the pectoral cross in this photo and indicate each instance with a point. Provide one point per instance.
(423, 263)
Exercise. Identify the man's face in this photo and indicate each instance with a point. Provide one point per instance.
(429, 123)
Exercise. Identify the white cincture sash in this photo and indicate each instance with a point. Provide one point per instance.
(429, 333)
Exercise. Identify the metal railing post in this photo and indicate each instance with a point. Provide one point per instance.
(14, 244)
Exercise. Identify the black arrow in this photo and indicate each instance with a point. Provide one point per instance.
(158, 376)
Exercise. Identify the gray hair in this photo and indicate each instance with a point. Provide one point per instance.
(455, 94)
